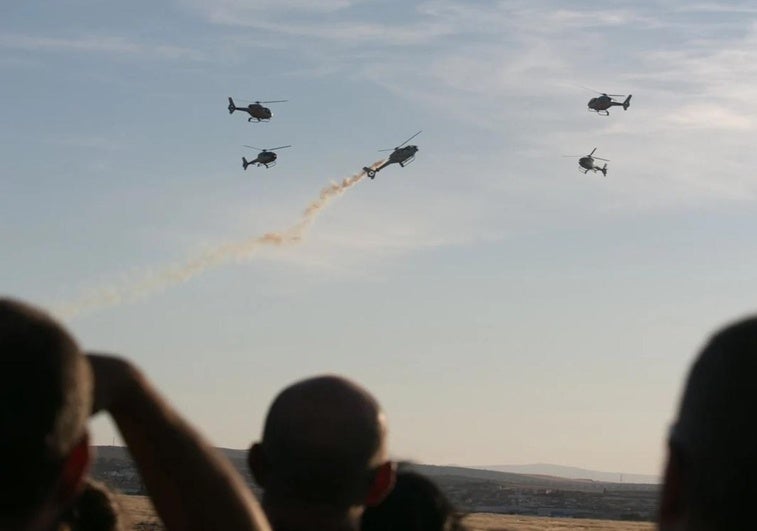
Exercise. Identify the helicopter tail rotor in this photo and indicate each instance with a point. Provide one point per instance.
(231, 107)
(627, 102)
(603, 169)
(369, 172)
(245, 163)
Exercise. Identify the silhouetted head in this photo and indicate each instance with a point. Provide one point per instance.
(711, 475)
(414, 504)
(45, 400)
(324, 445)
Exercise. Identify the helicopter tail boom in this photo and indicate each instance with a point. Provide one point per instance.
(371, 172)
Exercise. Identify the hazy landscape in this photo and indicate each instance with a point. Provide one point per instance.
(142, 517)
(493, 499)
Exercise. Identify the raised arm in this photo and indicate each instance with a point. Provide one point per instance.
(191, 485)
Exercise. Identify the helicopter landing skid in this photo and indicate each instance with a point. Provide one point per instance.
(407, 161)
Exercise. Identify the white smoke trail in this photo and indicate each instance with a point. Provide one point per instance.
(176, 274)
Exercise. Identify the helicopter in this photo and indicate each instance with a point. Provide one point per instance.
(602, 103)
(586, 163)
(266, 157)
(400, 155)
(257, 112)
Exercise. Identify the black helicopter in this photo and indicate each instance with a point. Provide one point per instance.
(586, 163)
(257, 112)
(400, 155)
(602, 103)
(266, 157)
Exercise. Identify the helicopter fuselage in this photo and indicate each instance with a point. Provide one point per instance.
(265, 158)
(401, 155)
(602, 103)
(587, 163)
(257, 111)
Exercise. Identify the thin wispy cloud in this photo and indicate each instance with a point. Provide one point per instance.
(423, 24)
(715, 7)
(244, 8)
(96, 44)
(427, 22)
(710, 116)
(346, 31)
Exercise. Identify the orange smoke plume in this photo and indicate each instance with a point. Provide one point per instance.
(225, 253)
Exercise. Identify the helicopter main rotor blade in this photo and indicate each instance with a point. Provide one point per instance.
(253, 147)
(573, 156)
(390, 149)
(409, 139)
(259, 102)
(601, 93)
(599, 158)
(590, 89)
(280, 147)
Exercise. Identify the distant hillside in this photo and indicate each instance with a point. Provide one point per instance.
(571, 472)
(528, 476)
(505, 478)
(470, 489)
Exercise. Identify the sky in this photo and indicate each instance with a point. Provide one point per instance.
(503, 307)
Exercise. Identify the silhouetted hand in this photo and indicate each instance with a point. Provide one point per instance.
(193, 487)
(114, 379)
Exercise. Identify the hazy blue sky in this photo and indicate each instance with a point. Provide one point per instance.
(503, 307)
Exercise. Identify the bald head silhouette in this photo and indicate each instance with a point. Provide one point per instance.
(711, 474)
(45, 401)
(324, 445)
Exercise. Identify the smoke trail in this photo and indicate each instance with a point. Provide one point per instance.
(225, 253)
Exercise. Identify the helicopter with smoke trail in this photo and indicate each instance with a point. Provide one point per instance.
(400, 155)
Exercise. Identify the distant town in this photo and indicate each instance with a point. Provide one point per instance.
(471, 490)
